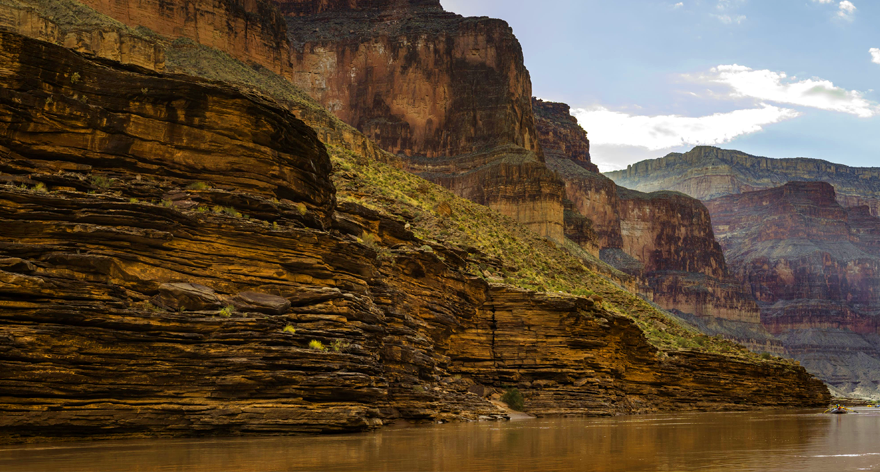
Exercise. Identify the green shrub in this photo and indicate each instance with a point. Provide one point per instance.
(101, 182)
(317, 345)
(339, 345)
(74, 79)
(227, 311)
(289, 329)
(133, 200)
(198, 186)
(40, 187)
(766, 356)
(514, 399)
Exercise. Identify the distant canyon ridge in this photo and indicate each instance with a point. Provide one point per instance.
(803, 237)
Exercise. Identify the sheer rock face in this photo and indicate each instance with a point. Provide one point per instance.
(708, 172)
(314, 7)
(814, 267)
(560, 134)
(451, 94)
(86, 246)
(665, 239)
(250, 30)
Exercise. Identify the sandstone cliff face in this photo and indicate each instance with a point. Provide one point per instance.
(665, 238)
(250, 30)
(813, 266)
(708, 172)
(451, 94)
(561, 135)
(133, 218)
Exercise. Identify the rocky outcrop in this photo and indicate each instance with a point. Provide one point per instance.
(560, 134)
(665, 239)
(131, 193)
(708, 172)
(250, 30)
(813, 267)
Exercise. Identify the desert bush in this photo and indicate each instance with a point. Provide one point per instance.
(227, 311)
(317, 345)
(514, 399)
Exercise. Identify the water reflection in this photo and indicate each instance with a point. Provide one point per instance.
(766, 441)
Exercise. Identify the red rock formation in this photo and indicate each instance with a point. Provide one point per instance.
(560, 134)
(813, 266)
(250, 30)
(665, 239)
(708, 172)
(450, 93)
(131, 201)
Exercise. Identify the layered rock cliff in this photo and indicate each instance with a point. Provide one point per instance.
(708, 172)
(174, 262)
(814, 268)
(665, 239)
(451, 94)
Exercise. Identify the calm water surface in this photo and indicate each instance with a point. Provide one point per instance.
(757, 441)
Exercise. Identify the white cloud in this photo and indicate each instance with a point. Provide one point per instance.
(607, 127)
(823, 1)
(766, 85)
(678, 5)
(727, 19)
(875, 55)
(846, 10)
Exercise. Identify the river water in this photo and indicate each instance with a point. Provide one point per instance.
(756, 441)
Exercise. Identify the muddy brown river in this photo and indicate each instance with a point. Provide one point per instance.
(756, 441)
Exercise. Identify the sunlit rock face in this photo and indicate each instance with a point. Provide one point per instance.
(708, 172)
(665, 239)
(814, 267)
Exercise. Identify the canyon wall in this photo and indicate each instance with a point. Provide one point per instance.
(814, 267)
(451, 95)
(174, 262)
(708, 172)
(665, 239)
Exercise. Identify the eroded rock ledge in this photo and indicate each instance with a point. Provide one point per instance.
(122, 182)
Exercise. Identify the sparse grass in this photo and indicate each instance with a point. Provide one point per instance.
(133, 200)
(317, 345)
(227, 311)
(339, 345)
(167, 203)
(198, 186)
(229, 211)
(520, 257)
(101, 181)
(40, 187)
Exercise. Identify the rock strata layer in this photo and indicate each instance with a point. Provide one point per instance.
(813, 266)
(708, 172)
(665, 239)
(131, 193)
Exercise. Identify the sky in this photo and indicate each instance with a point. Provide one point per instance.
(774, 78)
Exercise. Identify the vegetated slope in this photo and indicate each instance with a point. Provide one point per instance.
(708, 172)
